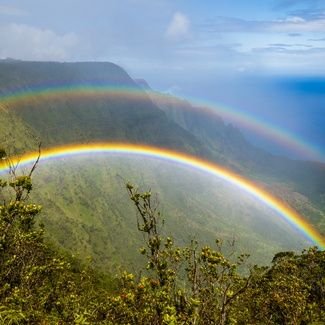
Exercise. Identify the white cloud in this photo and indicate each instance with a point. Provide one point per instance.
(298, 24)
(294, 19)
(291, 24)
(178, 28)
(26, 42)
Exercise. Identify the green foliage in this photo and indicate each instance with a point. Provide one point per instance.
(37, 283)
(179, 285)
(183, 285)
(291, 291)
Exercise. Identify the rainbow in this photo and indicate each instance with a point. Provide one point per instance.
(281, 208)
(283, 138)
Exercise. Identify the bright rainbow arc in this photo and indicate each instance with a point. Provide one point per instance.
(281, 208)
(280, 136)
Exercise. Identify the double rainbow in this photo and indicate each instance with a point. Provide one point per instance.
(280, 207)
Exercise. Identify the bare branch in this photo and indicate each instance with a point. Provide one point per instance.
(37, 160)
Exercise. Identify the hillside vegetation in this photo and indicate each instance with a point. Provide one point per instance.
(193, 284)
(87, 211)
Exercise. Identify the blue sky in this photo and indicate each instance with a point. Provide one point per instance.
(235, 52)
(170, 36)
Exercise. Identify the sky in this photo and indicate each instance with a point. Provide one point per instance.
(233, 36)
(205, 49)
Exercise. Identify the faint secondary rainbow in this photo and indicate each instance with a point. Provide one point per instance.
(280, 207)
(280, 136)
(276, 134)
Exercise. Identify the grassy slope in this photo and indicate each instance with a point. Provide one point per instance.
(15, 135)
(87, 210)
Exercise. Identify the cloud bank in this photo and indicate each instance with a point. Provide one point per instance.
(30, 43)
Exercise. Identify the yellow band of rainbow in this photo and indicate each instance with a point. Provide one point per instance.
(276, 204)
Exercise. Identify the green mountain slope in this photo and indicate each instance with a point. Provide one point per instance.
(87, 209)
(15, 134)
(86, 203)
(64, 119)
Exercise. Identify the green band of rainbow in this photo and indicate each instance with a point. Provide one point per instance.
(242, 119)
(280, 207)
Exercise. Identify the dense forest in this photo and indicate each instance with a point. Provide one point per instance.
(191, 284)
